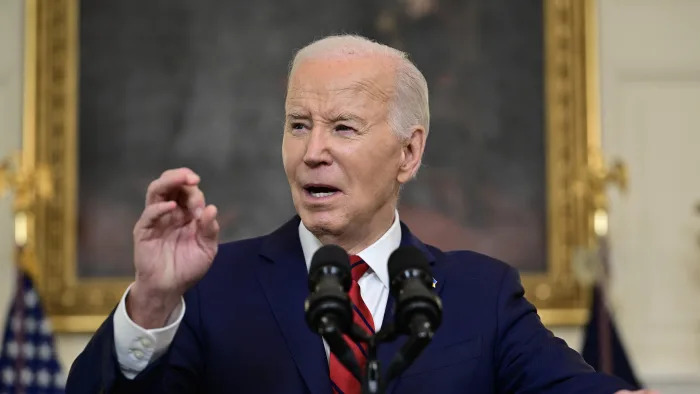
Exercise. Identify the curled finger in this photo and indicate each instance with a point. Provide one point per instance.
(192, 198)
(154, 212)
(207, 223)
(169, 183)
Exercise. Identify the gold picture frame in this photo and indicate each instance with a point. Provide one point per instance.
(50, 138)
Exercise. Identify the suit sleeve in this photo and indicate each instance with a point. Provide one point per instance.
(530, 359)
(179, 370)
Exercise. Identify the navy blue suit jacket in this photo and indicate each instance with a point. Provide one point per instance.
(244, 332)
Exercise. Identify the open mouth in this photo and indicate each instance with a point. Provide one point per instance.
(321, 191)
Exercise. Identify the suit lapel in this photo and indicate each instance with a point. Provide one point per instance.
(283, 276)
(386, 351)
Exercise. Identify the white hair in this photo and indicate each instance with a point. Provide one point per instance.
(409, 106)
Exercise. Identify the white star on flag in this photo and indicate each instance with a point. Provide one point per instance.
(28, 362)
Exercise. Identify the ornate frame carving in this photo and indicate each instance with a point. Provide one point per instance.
(50, 138)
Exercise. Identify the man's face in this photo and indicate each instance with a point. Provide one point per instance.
(342, 161)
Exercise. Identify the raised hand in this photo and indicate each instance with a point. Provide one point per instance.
(175, 242)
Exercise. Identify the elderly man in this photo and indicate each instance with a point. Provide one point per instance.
(203, 317)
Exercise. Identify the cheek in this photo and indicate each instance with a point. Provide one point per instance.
(379, 171)
(387, 157)
(289, 158)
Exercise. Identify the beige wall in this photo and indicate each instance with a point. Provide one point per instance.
(10, 120)
(650, 74)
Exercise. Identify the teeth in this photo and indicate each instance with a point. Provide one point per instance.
(322, 194)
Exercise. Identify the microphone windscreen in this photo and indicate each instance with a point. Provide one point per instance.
(330, 255)
(407, 257)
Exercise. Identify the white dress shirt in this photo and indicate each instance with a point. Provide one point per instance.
(137, 347)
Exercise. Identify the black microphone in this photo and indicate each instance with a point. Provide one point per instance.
(418, 309)
(328, 309)
(329, 283)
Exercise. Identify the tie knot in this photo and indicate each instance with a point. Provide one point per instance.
(358, 267)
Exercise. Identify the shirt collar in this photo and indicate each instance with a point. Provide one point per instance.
(375, 255)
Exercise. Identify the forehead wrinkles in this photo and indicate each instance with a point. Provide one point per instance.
(371, 88)
(359, 93)
(370, 75)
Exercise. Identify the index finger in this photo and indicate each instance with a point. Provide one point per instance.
(169, 182)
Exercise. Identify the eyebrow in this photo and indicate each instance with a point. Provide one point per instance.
(298, 116)
(345, 117)
(333, 118)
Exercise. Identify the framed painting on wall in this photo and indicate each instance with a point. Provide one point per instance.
(119, 91)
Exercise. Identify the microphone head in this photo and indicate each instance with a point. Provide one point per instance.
(330, 260)
(408, 260)
(328, 304)
(411, 285)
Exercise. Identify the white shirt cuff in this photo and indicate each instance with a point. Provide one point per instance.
(136, 346)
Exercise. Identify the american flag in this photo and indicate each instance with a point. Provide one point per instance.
(28, 362)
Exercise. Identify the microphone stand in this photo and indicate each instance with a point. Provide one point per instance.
(336, 343)
(372, 382)
(421, 335)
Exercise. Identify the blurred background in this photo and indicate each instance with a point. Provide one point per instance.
(202, 84)
(649, 66)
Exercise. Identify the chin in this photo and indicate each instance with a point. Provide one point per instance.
(321, 223)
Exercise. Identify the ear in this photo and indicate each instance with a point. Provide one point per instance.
(411, 155)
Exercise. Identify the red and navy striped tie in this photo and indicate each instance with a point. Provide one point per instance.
(341, 379)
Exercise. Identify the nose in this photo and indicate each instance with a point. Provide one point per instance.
(318, 148)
